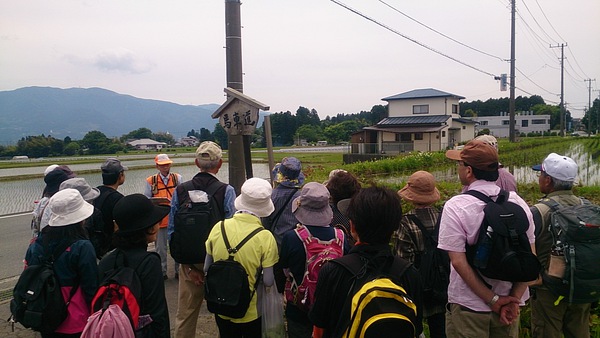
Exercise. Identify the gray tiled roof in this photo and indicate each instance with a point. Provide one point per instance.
(421, 93)
(414, 120)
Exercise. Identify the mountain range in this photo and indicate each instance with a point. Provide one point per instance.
(74, 112)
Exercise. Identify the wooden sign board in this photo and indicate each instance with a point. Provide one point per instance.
(239, 114)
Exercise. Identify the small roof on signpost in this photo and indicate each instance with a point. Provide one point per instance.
(239, 114)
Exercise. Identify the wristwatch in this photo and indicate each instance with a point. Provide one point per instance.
(493, 301)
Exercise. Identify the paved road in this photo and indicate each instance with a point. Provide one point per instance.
(14, 239)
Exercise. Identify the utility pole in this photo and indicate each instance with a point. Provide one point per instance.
(233, 45)
(589, 81)
(562, 87)
(511, 102)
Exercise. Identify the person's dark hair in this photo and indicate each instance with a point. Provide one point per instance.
(491, 176)
(375, 212)
(133, 239)
(57, 234)
(110, 178)
(342, 185)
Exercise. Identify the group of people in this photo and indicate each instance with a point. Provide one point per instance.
(365, 223)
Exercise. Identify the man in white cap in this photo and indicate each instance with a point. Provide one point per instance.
(161, 187)
(191, 274)
(550, 318)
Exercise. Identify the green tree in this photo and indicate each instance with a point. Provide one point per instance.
(205, 135)
(220, 136)
(283, 128)
(309, 133)
(71, 148)
(163, 137)
(137, 134)
(96, 142)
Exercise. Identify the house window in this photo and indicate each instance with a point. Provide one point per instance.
(538, 121)
(418, 136)
(483, 123)
(505, 122)
(443, 133)
(464, 127)
(405, 137)
(454, 109)
(525, 123)
(421, 109)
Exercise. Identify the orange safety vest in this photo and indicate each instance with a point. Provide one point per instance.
(159, 189)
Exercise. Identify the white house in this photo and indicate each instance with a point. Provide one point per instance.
(525, 122)
(146, 143)
(421, 120)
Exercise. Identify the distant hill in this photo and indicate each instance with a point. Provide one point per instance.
(74, 112)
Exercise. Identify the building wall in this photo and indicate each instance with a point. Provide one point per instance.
(437, 106)
(499, 125)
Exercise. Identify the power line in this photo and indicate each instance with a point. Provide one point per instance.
(547, 91)
(535, 20)
(549, 22)
(442, 34)
(411, 39)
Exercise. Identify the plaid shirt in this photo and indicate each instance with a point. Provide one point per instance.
(404, 246)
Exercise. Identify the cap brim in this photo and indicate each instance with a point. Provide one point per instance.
(164, 162)
(453, 154)
(537, 167)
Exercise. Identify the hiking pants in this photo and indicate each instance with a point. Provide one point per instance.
(189, 297)
(465, 323)
(550, 321)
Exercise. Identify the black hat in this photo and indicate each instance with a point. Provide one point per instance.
(136, 212)
(53, 180)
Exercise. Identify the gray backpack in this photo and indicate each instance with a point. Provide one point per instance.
(576, 230)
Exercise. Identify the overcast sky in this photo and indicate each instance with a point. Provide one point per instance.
(311, 53)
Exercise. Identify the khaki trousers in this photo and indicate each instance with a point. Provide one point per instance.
(464, 323)
(550, 321)
(189, 300)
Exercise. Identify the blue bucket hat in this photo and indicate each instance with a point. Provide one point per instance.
(288, 172)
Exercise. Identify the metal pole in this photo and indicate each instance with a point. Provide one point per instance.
(233, 44)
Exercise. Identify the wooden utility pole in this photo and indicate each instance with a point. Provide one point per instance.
(233, 45)
(562, 87)
(511, 102)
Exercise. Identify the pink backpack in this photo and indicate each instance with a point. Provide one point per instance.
(109, 323)
(318, 253)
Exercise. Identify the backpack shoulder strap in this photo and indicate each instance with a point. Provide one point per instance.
(235, 249)
(485, 198)
(421, 226)
(174, 179)
(550, 203)
(280, 211)
(100, 200)
(303, 234)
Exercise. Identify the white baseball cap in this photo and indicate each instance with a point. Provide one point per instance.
(558, 166)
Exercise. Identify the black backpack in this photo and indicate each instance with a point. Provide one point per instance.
(94, 226)
(193, 222)
(433, 265)
(378, 304)
(37, 301)
(226, 288)
(502, 250)
(99, 231)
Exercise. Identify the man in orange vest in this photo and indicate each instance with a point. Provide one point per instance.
(160, 189)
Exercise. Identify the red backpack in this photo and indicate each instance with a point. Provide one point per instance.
(318, 253)
(118, 298)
